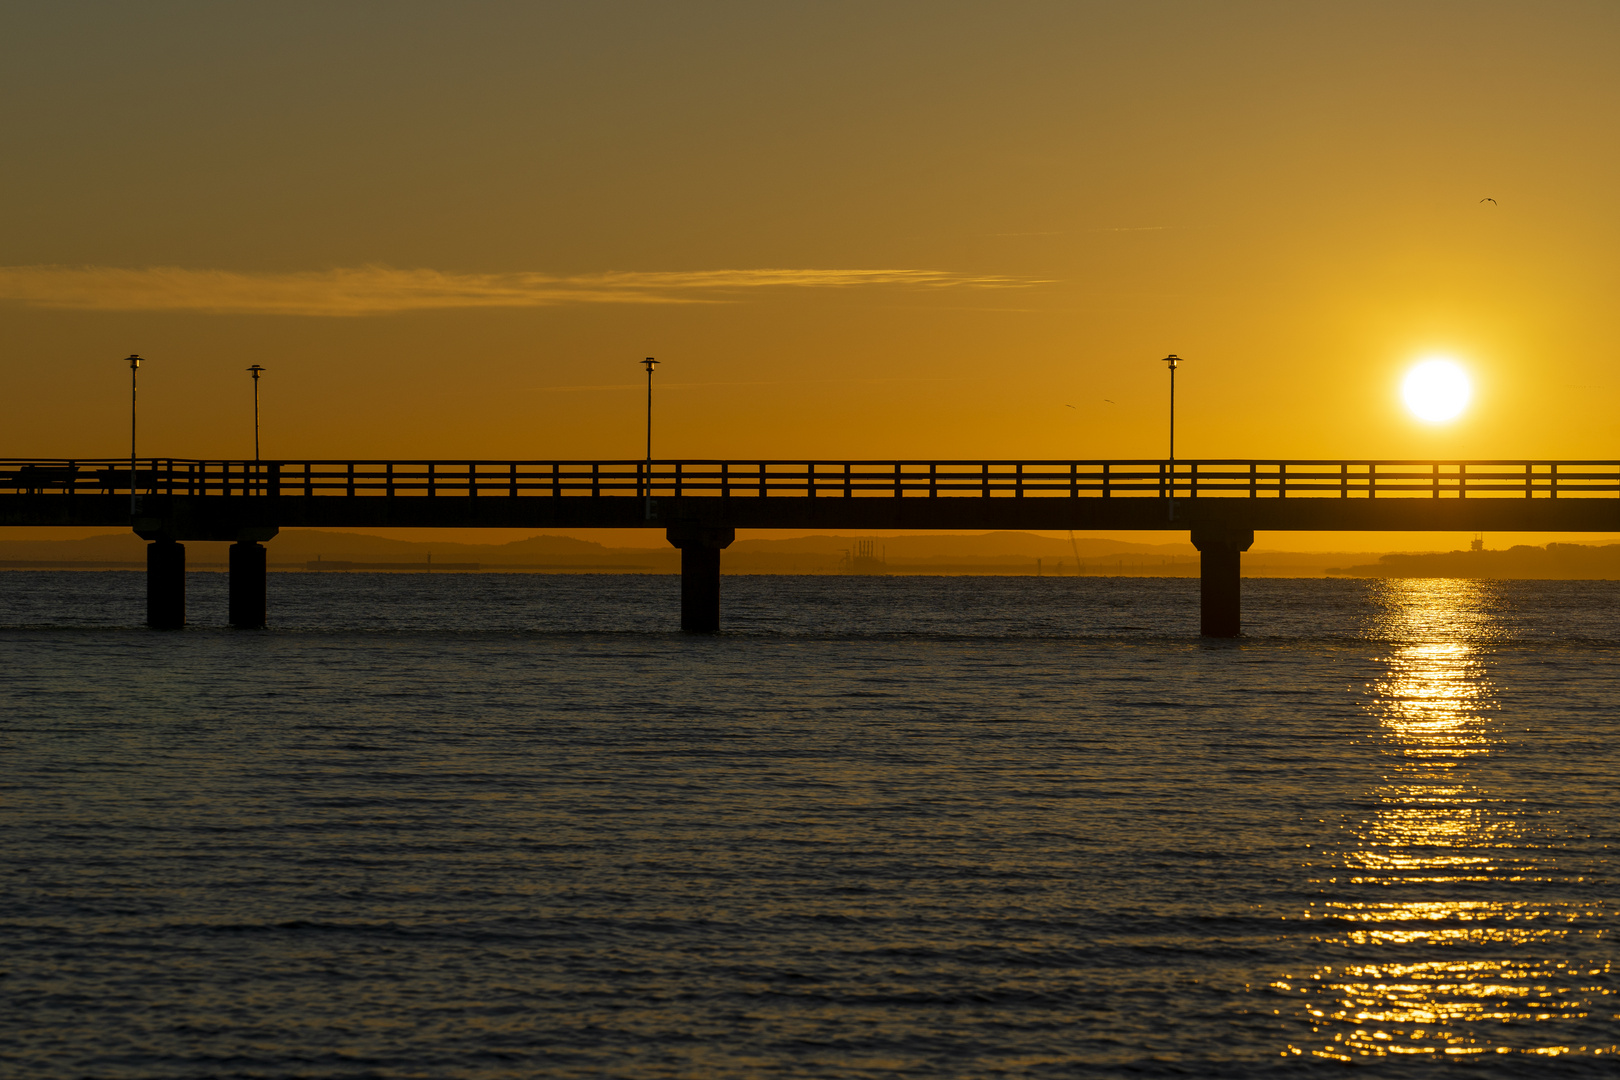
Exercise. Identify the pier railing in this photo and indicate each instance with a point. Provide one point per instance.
(1211, 478)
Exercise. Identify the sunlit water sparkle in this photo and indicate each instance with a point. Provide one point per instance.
(487, 826)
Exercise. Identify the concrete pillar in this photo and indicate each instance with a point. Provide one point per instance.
(1220, 593)
(700, 574)
(165, 585)
(247, 585)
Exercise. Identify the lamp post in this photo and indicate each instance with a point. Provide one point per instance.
(134, 368)
(649, 363)
(1173, 361)
(255, 369)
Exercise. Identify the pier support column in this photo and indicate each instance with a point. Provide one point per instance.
(700, 574)
(165, 585)
(247, 585)
(1220, 592)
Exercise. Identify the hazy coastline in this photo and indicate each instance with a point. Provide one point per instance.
(989, 554)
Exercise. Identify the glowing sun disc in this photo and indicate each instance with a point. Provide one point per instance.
(1436, 390)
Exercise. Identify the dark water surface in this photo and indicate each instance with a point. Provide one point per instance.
(502, 826)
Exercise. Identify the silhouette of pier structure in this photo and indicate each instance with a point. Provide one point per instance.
(701, 503)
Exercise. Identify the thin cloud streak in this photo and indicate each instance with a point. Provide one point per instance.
(381, 290)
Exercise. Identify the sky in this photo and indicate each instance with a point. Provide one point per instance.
(846, 230)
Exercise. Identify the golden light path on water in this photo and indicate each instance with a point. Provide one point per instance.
(1436, 961)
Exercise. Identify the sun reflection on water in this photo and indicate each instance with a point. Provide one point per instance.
(1436, 961)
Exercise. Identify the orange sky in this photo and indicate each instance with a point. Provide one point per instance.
(847, 229)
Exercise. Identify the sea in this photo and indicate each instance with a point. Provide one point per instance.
(517, 825)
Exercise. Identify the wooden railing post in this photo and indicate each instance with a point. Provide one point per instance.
(1462, 481)
(984, 479)
(1107, 482)
(1527, 480)
(1344, 480)
(351, 478)
(1552, 480)
(511, 472)
(1282, 479)
(810, 479)
(933, 480)
(1018, 481)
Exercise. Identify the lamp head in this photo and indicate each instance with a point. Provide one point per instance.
(649, 364)
(134, 361)
(1172, 360)
(256, 369)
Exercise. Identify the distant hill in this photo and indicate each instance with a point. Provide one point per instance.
(1001, 553)
(956, 547)
(315, 543)
(1522, 562)
(113, 548)
(298, 546)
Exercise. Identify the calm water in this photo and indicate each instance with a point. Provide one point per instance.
(509, 826)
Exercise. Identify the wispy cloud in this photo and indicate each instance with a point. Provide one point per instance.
(380, 290)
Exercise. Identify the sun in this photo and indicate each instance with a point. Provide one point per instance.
(1436, 390)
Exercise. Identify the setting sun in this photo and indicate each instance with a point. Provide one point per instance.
(1436, 390)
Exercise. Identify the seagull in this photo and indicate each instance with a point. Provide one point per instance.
(1493, 202)
(1109, 400)
(1071, 407)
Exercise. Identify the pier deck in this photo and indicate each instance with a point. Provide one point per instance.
(701, 503)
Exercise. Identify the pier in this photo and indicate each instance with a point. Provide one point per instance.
(700, 504)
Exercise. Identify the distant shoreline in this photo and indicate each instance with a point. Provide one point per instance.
(1555, 562)
(1008, 554)
(1182, 573)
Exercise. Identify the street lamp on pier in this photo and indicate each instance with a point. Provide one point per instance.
(1173, 361)
(255, 369)
(134, 369)
(649, 363)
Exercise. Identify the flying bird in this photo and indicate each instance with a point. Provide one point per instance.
(1109, 400)
(1493, 202)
